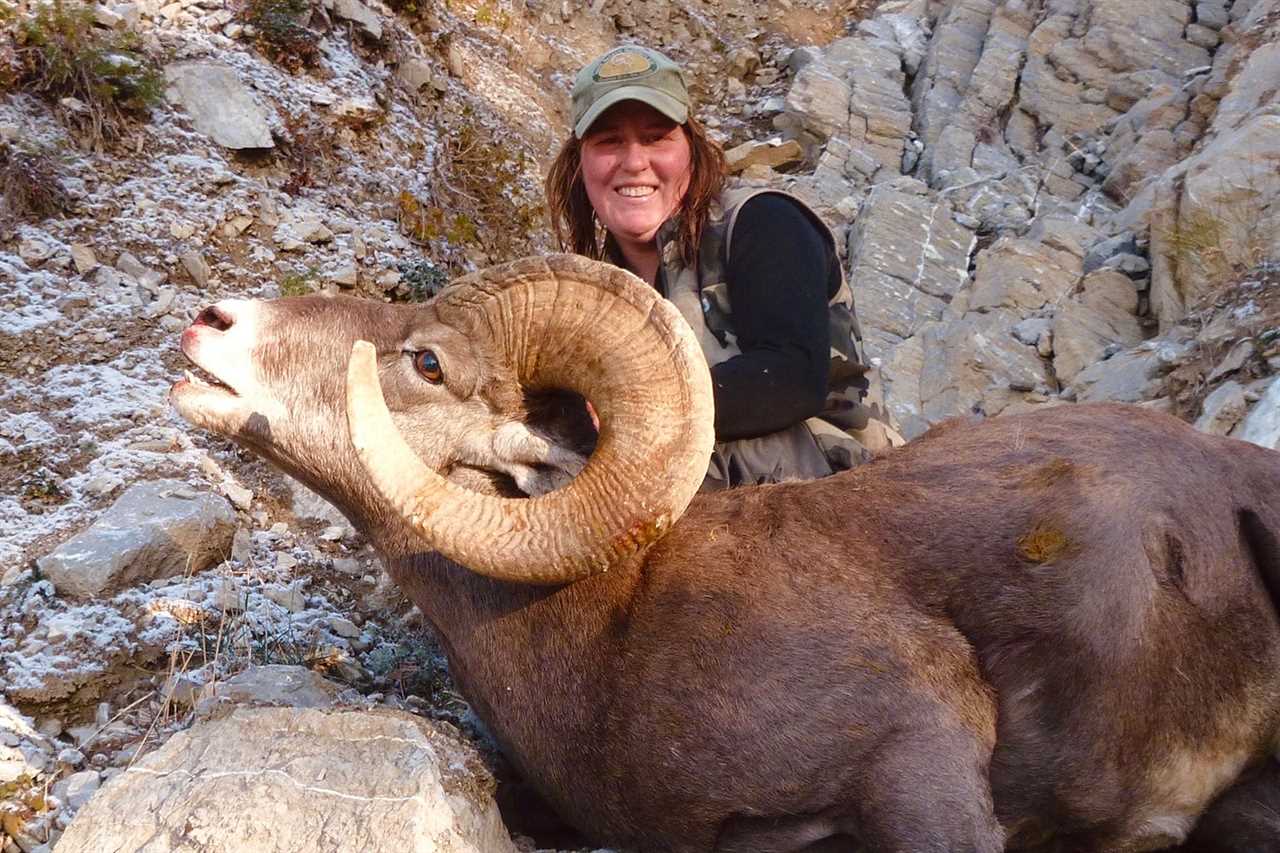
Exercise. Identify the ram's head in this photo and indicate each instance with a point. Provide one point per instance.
(467, 415)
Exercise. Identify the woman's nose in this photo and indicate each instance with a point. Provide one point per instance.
(634, 157)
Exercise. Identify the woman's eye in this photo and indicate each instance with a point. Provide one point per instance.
(428, 366)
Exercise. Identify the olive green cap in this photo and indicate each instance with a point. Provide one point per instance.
(629, 73)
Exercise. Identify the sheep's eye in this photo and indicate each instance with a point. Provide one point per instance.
(426, 363)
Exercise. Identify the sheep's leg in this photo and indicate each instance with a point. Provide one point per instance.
(927, 791)
(1245, 819)
(924, 791)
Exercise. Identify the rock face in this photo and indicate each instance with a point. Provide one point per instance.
(154, 530)
(219, 104)
(1094, 168)
(282, 779)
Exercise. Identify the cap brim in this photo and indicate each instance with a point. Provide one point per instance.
(660, 101)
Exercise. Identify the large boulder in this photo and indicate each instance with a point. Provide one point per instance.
(154, 530)
(278, 780)
(219, 104)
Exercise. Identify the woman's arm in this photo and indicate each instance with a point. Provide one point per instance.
(778, 273)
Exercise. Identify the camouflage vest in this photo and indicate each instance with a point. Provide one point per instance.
(814, 448)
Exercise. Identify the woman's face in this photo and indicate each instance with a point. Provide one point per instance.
(636, 167)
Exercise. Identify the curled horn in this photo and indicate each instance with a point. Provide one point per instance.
(562, 322)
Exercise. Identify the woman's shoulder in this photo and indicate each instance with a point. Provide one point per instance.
(776, 217)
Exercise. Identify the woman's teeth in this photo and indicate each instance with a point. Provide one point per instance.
(635, 192)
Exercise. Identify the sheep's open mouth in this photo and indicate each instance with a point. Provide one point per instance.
(207, 381)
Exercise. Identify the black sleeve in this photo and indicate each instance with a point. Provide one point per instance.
(778, 273)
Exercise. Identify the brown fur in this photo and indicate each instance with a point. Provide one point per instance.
(1053, 631)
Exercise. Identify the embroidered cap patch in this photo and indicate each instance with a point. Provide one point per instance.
(624, 64)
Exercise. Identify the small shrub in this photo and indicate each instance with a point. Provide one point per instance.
(308, 150)
(30, 186)
(279, 34)
(482, 198)
(297, 284)
(60, 54)
(420, 280)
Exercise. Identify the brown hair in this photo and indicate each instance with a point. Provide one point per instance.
(574, 219)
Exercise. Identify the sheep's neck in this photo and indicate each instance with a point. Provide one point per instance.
(534, 661)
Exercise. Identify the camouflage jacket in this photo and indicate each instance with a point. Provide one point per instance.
(806, 450)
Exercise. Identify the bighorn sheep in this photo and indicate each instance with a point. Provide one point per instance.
(1055, 631)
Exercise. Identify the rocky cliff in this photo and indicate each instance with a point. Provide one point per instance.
(1039, 203)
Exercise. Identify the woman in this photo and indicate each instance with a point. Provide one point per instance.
(755, 273)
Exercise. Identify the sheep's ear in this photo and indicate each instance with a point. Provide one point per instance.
(535, 460)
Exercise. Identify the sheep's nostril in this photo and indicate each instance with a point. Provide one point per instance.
(215, 317)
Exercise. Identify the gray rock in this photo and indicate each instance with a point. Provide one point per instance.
(905, 32)
(131, 266)
(908, 257)
(1225, 216)
(220, 106)
(1152, 153)
(1102, 251)
(291, 597)
(966, 83)
(803, 56)
(416, 73)
(84, 258)
(1127, 377)
(347, 275)
(1237, 357)
(355, 11)
(818, 101)
(270, 685)
(1222, 409)
(1262, 425)
(77, 789)
(1130, 265)
(1205, 37)
(1031, 330)
(24, 751)
(771, 154)
(306, 504)
(197, 267)
(972, 364)
(1023, 275)
(1104, 317)
(1212, 14)
(877, 113)
(300, 779)
(154, 530)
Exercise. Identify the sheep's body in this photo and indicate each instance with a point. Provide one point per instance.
(1057, 631)
(1066, 605)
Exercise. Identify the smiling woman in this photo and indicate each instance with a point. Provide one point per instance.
(754, 272)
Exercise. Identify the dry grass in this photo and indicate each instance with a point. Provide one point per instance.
(484, 205)
(30, 187)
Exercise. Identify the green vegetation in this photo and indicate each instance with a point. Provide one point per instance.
(280, 31)
(297, 284)
(420, 280)
(99, 77)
